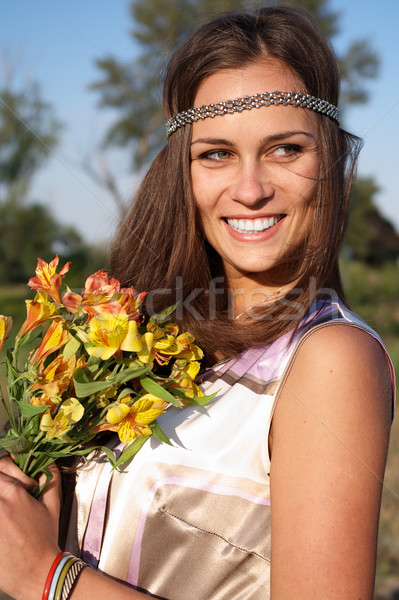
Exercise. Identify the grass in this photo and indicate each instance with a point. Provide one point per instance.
(374, 295)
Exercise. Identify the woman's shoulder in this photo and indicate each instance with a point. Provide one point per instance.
(342, 341)
(343, 364)
(343, 347)
(334, 336)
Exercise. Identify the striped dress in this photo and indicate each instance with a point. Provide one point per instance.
(192, 520)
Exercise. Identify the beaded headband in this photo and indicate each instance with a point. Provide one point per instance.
(247, 103)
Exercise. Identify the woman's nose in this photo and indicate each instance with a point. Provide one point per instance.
(251, 184)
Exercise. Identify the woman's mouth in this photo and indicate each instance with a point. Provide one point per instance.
(253, 225)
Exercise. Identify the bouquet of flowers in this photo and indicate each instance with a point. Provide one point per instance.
(98, 364)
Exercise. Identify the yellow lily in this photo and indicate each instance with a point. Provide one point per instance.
(47, 279)
(5, 328)
(182, 347)
(132, 421)
(185, 374)
(110, 334)
(117, 413)
(69, 413)
(172, 329)
(146, 355)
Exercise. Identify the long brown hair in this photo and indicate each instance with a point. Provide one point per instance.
(160, 247)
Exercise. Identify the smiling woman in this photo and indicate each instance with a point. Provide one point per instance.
(273, 490)
(264, 180)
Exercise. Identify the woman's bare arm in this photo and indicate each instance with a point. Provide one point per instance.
(329, 443)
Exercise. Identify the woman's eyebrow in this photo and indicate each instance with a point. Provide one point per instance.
(270, 138)
(213, 141)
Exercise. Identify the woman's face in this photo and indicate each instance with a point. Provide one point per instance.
(254, 173)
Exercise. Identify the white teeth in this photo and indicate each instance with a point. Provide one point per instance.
(252, 225)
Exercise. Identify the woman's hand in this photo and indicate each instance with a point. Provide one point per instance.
(28, 531)
(8, 467)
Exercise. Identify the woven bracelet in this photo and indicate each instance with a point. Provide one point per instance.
(70, 578)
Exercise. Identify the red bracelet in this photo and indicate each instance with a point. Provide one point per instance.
(51, 574)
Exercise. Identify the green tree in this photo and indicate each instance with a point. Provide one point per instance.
(29, 231)
(28, 132)
(133, 87)
(370, 237)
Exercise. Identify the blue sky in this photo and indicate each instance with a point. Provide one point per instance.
(57, 42)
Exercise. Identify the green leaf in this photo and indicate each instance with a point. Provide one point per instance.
(71, 347)
(124, 393)
(29, 337)
(49, 477)
(32, 427)
(110, 455)
(81, 376)
(92, 362)
(201, 400)
(16, 445)
(30, 410)
(129, 374)
(163, 315)
(84, 387)
(159, 434)
(131, 450)
(152, 387)
(11, 372)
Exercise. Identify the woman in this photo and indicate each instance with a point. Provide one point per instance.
(273, 491)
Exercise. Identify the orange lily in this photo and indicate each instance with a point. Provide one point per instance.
(98, 296)
(130, 303)
(5, 328)
(72, 301)
(55, 378)
(38, 311)
(45, 400)
(56, 337)
(47, 279)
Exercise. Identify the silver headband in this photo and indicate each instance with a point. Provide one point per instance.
(256, 101)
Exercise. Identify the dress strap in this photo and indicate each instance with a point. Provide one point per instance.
(93, 537)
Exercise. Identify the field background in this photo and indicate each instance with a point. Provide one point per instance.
(374, 294)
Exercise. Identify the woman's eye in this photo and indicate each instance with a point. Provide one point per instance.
(287, 151)
(216, 155)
